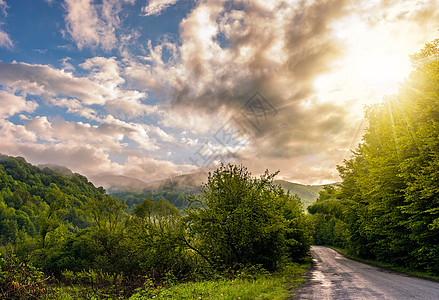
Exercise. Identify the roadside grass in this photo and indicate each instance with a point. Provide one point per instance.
(276, 286)
(251, 283)
(387, 265)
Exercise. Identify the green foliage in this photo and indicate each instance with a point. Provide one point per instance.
(329, 217)
(93, 247)
(156, 230)
(20, 279)
(37, 202)
(174, 194)
(237, 220)
(388, 205)
(40, 211)
(105, 211)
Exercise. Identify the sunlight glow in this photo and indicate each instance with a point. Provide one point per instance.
(380, 70)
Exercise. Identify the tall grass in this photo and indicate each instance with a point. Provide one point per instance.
(279, 285)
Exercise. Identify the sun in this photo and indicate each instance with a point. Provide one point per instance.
(379, 70)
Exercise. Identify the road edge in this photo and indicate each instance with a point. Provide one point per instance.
(388, 269)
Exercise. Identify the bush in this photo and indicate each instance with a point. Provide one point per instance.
(237, 220)
(20, 279)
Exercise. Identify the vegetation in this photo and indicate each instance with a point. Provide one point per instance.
(176, 195)
(387, 207)
(60, 235)
(249, 283)
(307, 193)
(177, 191)
(237, 220)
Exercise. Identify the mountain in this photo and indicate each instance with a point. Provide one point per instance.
(38, 201)
(119, 183)
(308, 193)
(176, 189)
(57, 169)
(188, 181)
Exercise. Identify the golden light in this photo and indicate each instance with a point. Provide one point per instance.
(379, 70)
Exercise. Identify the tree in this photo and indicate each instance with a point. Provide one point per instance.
(390, 190)
(155, 235)
(106, 211)
(238, 220)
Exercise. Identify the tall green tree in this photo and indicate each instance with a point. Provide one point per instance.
(238, 220)
(390, 187)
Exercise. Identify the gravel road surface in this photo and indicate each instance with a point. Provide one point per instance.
(333, 276)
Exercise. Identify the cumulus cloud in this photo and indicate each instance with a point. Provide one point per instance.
(11, 135)
(93, 25)
(11, 104)
(156, 7)
(227, 55)
(109, 135)
(87, 149)
(83, 158)
(102, 86)
(48, 81)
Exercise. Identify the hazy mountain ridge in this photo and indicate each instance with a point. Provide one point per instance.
(119, 183)
(175, 189)
(308, 193)
(57, 169)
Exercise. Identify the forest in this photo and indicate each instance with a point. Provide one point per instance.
(387, 206)
(60, 235)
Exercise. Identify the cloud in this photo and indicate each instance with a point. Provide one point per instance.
(50, 82)
(87, 148)
(66, 64)
(81, 158)
(92, 25)
(102, 86)
(10, 104)
(156, 7)
(142, 167)
(228, 50)
(110, 135)
(11, 135)
(3, 7)
(5, 40)
(260, 50)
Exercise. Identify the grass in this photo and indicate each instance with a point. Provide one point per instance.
(388, 266)
(263, 286)
(250, 283)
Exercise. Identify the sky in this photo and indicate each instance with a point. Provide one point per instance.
(151, 89)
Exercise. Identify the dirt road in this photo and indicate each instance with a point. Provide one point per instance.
(334, 276)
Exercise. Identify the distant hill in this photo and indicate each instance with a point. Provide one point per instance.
(308, 193)
(57, 169)
(38, 200)
(176, 189)
(119, 183)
